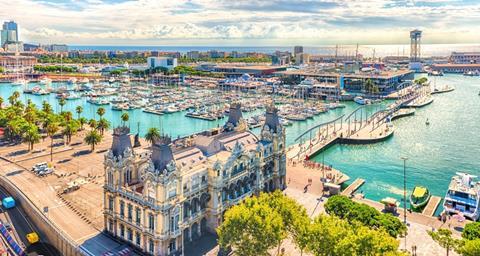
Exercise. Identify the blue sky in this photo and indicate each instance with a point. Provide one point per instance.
(242, 22)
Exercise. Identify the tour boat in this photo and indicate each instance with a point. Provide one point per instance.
(362, 101)
(419, 197)
(463, 196)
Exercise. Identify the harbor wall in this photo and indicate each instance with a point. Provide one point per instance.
(55, 236)
(355, 141)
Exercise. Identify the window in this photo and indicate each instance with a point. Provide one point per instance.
(110, 178)
(110, 226)
(129, 212)
(110, 203)
(151, 246)
(122, 209)
(137, 238)
(151, 221)
(172, 223)
(172, 189)
(172, 246)
(138, 213)
(129, 234)
(122, 231)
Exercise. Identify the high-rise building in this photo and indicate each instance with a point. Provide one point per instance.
(415, 41)
(297, 50)
(9, 33)
(12, 29)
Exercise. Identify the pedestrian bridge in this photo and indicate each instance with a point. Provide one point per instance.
(362, 126)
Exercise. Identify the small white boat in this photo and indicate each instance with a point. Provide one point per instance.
(46, 81)
(20, 82)
(362, 101)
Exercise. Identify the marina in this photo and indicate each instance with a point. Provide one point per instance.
(354, 164)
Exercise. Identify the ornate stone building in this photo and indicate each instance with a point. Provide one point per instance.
(165, 196)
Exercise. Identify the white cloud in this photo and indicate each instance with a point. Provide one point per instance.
(159, 22)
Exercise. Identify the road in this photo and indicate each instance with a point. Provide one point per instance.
(22, 225)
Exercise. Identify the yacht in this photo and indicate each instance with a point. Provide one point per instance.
(362, 101)
(20, 82)
(46, 81)
(463, 196)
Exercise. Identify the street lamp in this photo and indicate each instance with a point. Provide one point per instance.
(405, 196)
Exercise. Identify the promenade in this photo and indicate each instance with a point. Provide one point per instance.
(79, 213)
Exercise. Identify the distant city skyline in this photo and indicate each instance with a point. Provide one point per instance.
(227, 23)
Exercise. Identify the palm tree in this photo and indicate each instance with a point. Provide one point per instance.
(103, 125)
(152, 135)
(46, 107)
(31, 136)
(52, 129)
(79, 110)
(71, 127)
(82, 121)
(1, 102)
(125, 118)
(67, 115)
(93, 138)
(100, 112)
(62, 103)
(92, 123)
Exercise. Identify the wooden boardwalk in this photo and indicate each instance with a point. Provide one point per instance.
(432, 206)
(353, 187)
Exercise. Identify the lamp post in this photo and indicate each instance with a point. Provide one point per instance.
(405, 196)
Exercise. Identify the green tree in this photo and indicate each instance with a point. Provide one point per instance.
(470, 247)
(71, 127)
(1, 102)
(125, 118)
(471, 231)
(92, 123)
(251, 228)
(46, 107)
(103, 125)
(79, 110)
(152, 135)
(345, 208)
(62, 103)
(82, 121)
(444, 238)
(52, 129)
(100, 112)
(31, 136)
(93, 138)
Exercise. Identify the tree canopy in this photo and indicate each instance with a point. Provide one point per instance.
(351, 211)
(259, 224)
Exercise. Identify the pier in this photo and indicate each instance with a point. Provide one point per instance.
(359, 127)
(432, 206)
(353, 187)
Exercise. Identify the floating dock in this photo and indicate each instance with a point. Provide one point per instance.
(432, 206)
(353, 187)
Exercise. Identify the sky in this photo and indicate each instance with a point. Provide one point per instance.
(242, 22)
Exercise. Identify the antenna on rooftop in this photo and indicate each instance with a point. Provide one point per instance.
(356, 53)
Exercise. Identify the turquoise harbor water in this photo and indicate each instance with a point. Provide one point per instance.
(451, 143)
(435, 152)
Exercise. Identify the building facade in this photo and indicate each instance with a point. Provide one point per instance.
(166, 62)
(465, 57)
(161, 198)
